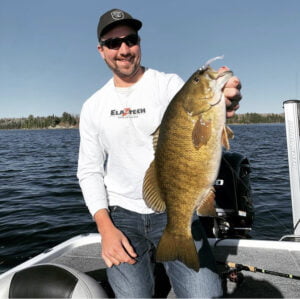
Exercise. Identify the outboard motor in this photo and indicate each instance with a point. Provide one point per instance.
(50, 281)
(234, 206)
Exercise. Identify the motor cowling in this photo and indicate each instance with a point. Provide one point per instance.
(233, 200)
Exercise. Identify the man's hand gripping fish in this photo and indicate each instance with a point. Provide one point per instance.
(188, 152)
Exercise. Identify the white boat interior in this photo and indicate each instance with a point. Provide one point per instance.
(83, 253)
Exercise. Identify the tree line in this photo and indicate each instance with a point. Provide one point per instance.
(256, 118)
(72, 121)
(52, 121)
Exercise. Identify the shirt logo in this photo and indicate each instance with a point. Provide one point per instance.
(128, 112)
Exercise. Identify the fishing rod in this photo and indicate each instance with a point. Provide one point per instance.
(241, 267)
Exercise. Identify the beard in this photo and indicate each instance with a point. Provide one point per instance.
(124, 72)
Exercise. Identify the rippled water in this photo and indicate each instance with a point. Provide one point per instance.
(41, 204)
(265, 146)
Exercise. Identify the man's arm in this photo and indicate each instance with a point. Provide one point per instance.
(116, 248)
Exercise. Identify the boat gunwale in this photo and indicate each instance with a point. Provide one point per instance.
(49, 254)
(85, 239)
(254, 243)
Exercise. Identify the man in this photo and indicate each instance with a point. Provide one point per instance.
(116, 149)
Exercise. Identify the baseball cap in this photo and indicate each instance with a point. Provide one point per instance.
(115, 17)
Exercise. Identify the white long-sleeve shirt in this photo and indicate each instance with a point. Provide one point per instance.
(115, 140)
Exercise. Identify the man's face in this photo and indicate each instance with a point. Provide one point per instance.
(125, 61)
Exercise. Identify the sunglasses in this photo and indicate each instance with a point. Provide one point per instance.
(115, 43)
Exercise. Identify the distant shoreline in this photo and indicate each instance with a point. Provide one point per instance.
(77, 127)
(51, 128)
(263, 123)
(68, 121)
(48, 122)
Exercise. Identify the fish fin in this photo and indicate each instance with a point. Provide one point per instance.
(151, 190)
(229, 132)
(226, 134)
(207, 206)
(155, 138)
(180, 248)
(201, 133)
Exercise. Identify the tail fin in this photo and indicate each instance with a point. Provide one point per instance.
(180, 248)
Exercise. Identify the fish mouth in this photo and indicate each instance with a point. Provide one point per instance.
(226, 73)
(222, 79)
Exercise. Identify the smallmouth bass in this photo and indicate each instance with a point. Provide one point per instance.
(188, 150)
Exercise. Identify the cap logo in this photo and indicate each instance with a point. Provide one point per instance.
(117, 15)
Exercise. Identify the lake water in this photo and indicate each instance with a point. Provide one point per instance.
(41, 203)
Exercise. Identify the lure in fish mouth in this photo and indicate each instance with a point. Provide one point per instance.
(225, 74)
(188, 151)
(208, 63)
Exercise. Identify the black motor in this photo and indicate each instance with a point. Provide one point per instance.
(233, 199)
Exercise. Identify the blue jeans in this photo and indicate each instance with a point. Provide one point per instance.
(137, 281)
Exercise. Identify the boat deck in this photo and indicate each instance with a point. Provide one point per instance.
(278, 256)
(84, 254)
(271, 256)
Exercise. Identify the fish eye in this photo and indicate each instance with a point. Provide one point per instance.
(196, 80)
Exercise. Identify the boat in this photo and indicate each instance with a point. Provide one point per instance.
(248, 268)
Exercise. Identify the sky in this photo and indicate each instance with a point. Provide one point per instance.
(49, 62)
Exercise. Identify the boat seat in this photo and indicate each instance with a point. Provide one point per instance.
(50, 281)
